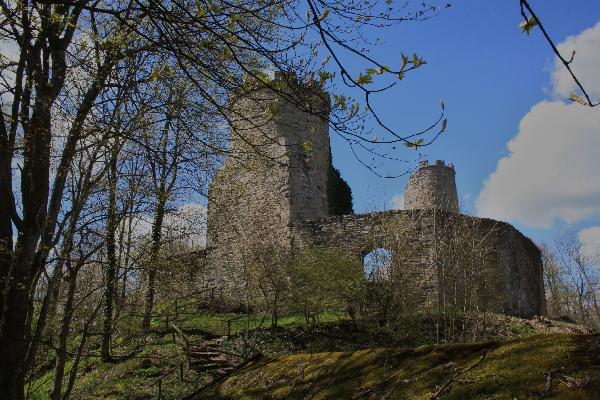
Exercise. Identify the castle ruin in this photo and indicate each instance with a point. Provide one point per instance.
(273, 191)
(432, 187)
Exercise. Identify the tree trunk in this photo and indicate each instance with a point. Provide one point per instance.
(15, 336)
(47, 312)
(63, 336)
(154, 252)
(111, 252)
(84, 336)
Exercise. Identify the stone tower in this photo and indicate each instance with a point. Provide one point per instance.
(432, 187)
(275, 174)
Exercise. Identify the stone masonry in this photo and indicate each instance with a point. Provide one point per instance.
(432, 187)
(271, 193)
(276, 175)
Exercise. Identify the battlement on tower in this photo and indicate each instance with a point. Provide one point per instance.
(438, 163)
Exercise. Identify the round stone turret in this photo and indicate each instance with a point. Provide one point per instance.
(432, 187)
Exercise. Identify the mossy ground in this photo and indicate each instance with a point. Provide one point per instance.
(135, 376)
(334, 359)
(554, 366)
(131, 378)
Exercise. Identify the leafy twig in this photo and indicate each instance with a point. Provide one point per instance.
(532, 21)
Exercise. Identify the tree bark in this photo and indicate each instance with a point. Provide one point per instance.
(111, 252)
(63, 336)
(154, 252)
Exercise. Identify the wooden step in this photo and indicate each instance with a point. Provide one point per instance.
(210, 361)
(214, 350)
(205, 354)
(209, 367)
(224, 371)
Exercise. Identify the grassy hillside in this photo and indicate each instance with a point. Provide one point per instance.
(333, 359)
(557, 366)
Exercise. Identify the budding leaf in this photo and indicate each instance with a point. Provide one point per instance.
(324, 15)
(414, 145)
(527, 25)
(578, 99)
(340, 101)
(404, 60)
(308, 148)
(364, 79)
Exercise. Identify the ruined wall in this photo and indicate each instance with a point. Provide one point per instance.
(276, 173)
(417, 237)
(400, 232)
(272, 195)
(432, 187)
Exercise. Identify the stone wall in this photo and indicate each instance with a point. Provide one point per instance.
(276, 174)
(414, 237)
(271, 195)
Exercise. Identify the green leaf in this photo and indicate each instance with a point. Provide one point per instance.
(200, 11)
(364, 79)
(404, 60)
(272, 109)
(308, 148)
(340, 101)
(324, 75)
(415, 145)
(417, 62)
(527, 25)
(384, 68)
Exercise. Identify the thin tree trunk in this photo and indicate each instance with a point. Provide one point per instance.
(111, 268)
(154, 252)
(63, 336)
(84, 336)
(47, 311)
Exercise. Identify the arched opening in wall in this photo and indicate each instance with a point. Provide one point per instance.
(377, 264)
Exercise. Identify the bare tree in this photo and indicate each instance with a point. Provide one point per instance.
(572, 280)
(67, 57)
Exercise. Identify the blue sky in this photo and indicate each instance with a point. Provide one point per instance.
(492, 77)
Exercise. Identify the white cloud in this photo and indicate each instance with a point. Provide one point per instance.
(590, 241)
(397, 202)
(553, 167)
(586, 63)
(187, 224)
(9, 51)
(552, 170)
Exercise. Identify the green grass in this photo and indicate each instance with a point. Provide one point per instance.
(216, 324)
(334, 358)
(128, 379)
(132, 378)
(514, 369)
